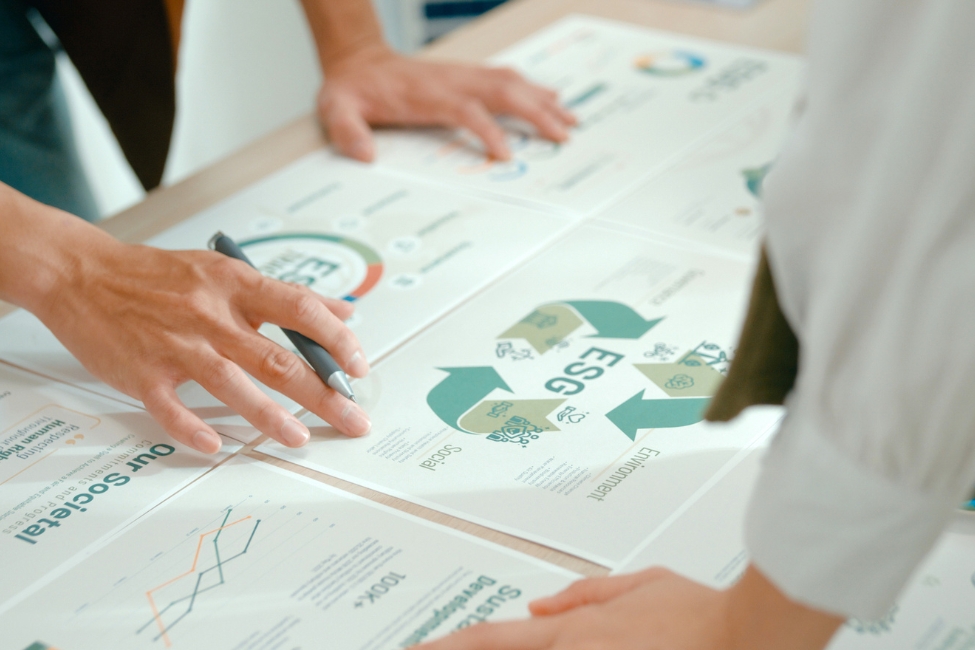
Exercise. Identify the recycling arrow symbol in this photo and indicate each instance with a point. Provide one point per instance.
(637, 413)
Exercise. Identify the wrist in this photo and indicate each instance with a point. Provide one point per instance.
(42, 250)
(353, 54)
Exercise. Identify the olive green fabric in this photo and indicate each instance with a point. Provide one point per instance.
(767, 358)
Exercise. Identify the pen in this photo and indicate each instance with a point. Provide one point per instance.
(317, 356)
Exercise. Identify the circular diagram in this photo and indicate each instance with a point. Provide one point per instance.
(333, 266)
(669, 64)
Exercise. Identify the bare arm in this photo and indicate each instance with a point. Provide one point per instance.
(146, 320)
(657, 609)
(367, 83)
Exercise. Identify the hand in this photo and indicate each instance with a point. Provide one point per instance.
(656, 610)
(376, 86)
(146, 320)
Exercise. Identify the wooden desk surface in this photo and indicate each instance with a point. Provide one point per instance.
(772, 24)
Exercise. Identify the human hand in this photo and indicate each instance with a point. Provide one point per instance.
(656, 609)
(145, 320)
(375, 86)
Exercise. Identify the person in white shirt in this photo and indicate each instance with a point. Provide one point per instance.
(871, 244)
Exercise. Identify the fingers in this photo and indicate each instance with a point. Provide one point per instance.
(342, 309)
(347, 128)
(300, 309)
(178, 421)
(537, 106)
(473, 115)
(592, 591)
(532, 634)
(283, 371)
(225, 380)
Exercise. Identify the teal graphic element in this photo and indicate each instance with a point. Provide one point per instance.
(637, 413)
(461, 390)
(612, 320)
(754, 178)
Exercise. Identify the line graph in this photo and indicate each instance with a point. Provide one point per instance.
(181, 607)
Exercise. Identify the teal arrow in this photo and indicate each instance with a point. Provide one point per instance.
(638, 413)
(461, 390)
(613, 320)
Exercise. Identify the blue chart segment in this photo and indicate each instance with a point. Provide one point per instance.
(206, 579)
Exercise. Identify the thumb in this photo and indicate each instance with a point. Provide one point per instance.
(347, 129)
(592, 591)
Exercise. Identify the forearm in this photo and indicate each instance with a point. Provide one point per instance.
(343, 27)
(40, 246)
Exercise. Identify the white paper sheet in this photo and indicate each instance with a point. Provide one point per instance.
(74, 467)
(711, 197)
(258, 558)
(706, 542)
(642, 97)
(531, 397)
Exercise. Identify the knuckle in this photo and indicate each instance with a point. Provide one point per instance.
(220, 373)
(279, 365)
(304, 306)
(226, 270)
(268, 412)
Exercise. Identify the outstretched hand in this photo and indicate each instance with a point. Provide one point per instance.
(145, 320)
(377, 86)
(656, 609)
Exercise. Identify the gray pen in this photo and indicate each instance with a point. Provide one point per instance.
(317, 356)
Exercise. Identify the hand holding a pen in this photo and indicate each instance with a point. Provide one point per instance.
(146, 320)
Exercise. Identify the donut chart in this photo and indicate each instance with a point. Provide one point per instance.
(331, 265)
(669, 64)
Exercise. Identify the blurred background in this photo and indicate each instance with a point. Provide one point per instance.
(246, 68)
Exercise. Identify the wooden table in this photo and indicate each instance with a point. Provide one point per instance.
(773, 24)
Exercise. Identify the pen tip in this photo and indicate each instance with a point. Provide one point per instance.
(352, 397)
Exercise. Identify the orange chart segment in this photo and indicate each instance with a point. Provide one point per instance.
(206, 579)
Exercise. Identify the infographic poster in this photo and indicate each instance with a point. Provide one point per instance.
(402, 252)
(711, 198)
(257, 558)
(641, 98)
(563, 404)
(74, 467)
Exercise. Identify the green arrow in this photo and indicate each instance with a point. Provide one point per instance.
(638, 413)
(613, 320)
(461, 390)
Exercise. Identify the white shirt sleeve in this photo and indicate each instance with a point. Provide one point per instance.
(871, 240)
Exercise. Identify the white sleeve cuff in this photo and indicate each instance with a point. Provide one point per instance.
(830, 533)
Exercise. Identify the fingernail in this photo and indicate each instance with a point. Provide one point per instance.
(206, 441)
(294, 433)
(355, 420)
(358, 365)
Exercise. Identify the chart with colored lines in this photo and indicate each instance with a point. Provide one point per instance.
(205, 574)
(576, 386)
(255, 557)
